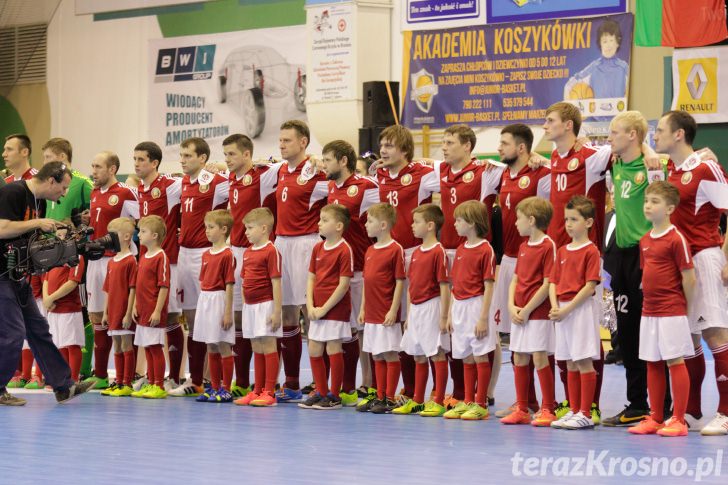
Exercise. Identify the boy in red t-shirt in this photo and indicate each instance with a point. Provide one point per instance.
(150, 304)
(262, 308)
(573, 280)
(668, 285)
(329, 305)
(120, 288)
(384, 277)
(63, 302)
(215, 306)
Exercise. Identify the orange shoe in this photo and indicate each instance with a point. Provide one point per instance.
(674, 427)
(450, 402)
(543, 418)
(247, 399)
(517, 417)
(646, 426)
(265, 399)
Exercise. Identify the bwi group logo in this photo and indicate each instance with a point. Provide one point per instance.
(185, 63)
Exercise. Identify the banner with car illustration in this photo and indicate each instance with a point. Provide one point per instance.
(510, 73)
(212, 86)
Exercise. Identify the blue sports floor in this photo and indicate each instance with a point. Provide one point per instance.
(96, 439)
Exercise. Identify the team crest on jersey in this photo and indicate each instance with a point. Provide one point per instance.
(301, 180)
(156, 193)
(204, 188)
(352, 191)
(468, 177)
(524, 182)
(573, 164)
(247, 180)
(406, 179)
(114, 199)
(686, 178)
(639, 178)
(205, 177)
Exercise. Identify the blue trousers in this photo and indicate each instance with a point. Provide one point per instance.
(20, 319)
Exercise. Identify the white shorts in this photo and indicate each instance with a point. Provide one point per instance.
(66, 329)
(499, 307)
(356, 288)
(465, 315)
(118, 333)
(664, 338)
(189, 263)
(26, 346)
(405, 289)
(238, 288)
(577, 335)
(710, 305)
(533, 336)
(326, 330)
(208, 326)
(174, 292)
(295, 255)
(379, 339)
(148, 336)
(41, 308)
(255, 321)
(423, 335)
(95, 275)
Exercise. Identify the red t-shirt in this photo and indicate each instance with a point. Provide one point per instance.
(662, 258)
(27, 175)
(383, 266)
(217, 270)
(534, 264)
(152, 274)
(260, 265)
(207, 192)
(300, 195)
(573, 268)
(472, 266)
(161, 199)
(120, 279)
(119, 200)
(514, 188)
(427, 270)
(253, 190)
(56, 277)
(329, 264)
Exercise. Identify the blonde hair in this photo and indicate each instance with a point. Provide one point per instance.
(261, 215)
(474, 212)
(383, 212)
(155, 224)
(121, 224)
(338, 212)
(538, 208)
(221, 218)
(632, 120)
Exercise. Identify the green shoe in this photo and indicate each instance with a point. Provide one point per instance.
(457, 411)
(99, 382)
(363, 405)
(142, 391)
(238, 391)
(349, 399)
(432, 410)
(35, 384)
(107, 392)
(409, 407)
(122, 391)
(16, 382)
(155, 392)
(596, 415)
(562, 409)
(475, 412)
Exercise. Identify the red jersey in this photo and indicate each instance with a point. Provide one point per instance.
(476, 181)
(152, 274)
(300, 195)
(428, 269)
(357, 194)
(56, 277)
(534, 264)
(205, 193)
(119, 200)
(472, 266)
(328, 264)
(161, 199)
(253, 190)
(573, 268)
(662, 258)
(260, 265)
(383, 266)
(703, 195)
(579, 173)
(27, 175)
(405, 190)
(217, 270)
(120, 279)
(513, 189)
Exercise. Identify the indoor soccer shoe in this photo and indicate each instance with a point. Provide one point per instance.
(16, 383)
(99, 382)
(309, 388)
(35, 384)
(349, 399)
(110, 389)
(560, 421)
(247, 399)
(432, 410)
(562, 409)
(142, 391)
(238, 391)
(718, 426)
(543, 418)
(385, 406)
(7, 399)
(154, 392)
(450, 402)
(188, 389)
(517, 417)
(367, 402)
(363, 391)
(328, 403)
(695, 424)
(221, 396)
(475, 412)
(596, 414)
(286, 395)
(266, 399)
(673, 427)
(139, 383)
(629, 416)
(578, 421)
(456, 412)
(646, 426)
(506, 412)
(122, 391)
(169, 384)
(311, 401)
(409, 407)
(205, 396)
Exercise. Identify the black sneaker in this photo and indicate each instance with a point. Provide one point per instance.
(73, 391)
(328, 403)
(311, 401)
(362, 392)
(628, 417)
(613, 358)
(491, 402)
(309, 388)
(384, 406)
(7, 399)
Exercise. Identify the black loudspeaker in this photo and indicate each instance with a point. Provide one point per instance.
(377, 108)
(369, 139)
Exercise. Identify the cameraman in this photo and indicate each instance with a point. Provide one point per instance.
(22, 210)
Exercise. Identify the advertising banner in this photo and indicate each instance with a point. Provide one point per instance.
(696, 81)
(520, 10)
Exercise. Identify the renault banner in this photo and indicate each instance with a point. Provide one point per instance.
(696, 81)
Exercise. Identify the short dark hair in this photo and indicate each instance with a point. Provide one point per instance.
(55, 170)
(610, 27)
(340, 149)
(58, 146)
(201, 146)
(682, 120)
(152, 149)
(464, 134)
(521, 133)
(665, 190)
(338, 212)
(583, 205)
(301, 128)
(431, 213)
(23, 139)
(243, 142)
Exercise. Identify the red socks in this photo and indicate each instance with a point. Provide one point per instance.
(290, 346)
(260, 363)
(74, 360)
(407, 365)
(102, 348)
(380, 368)
(175, 348)
(318, 369)
(696, 370)
(242, 353)
(440, 381)
(656, 389)
(196, 357)
(129, 367)
(271, 371)
(422, 371)
(157, 352)
(215, 362)
(721, 375)
(26, 364)
(522, 376)
(680, 382)
(484, 370)
(228, 364)
(393, 371)
(337, 371)
(574, 389)
(588, 384)
(469, 373)
(119, 366)
(351, 361)
(546, 379)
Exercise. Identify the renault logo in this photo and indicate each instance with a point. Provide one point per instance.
(697, 81)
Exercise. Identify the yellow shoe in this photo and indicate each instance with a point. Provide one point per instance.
(155, 392)
(475, 412)
(122, 391)
(143, 390)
